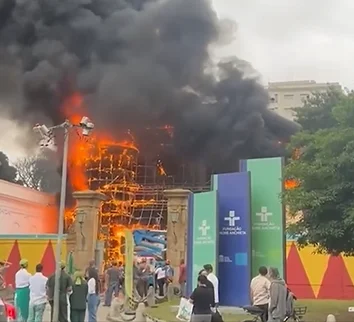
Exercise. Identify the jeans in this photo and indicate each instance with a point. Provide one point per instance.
(36, 312)
(264, 316)
(161, 283)
(113, 288)
(182, 287)
(93, 302)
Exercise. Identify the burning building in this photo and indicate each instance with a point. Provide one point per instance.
(166, 114)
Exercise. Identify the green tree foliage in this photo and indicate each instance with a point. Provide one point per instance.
(7, 172)
(324, 169)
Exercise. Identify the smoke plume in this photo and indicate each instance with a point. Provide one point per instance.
(139, 63)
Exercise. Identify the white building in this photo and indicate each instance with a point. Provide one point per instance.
(285, 96)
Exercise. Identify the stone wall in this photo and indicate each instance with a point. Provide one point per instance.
(26, 211)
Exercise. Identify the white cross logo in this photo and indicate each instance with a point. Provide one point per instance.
(232, 218)
(204, 228)
(264, 214)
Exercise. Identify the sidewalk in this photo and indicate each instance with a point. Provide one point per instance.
(101, 314)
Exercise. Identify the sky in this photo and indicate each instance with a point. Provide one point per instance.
(294, 39)
(283, 40)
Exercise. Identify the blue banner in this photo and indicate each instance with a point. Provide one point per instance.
(234, 237)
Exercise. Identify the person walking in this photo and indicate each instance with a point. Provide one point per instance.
(22, 292)
(160, 278)
(93, 295)
(259, 292)
(214, 280)
(38, 295)
(203, 300)
(113, 277)
(65, 288)
(78, 298)
(278, 295)
(182, 278)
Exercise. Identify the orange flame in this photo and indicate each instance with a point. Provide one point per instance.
(81, 153)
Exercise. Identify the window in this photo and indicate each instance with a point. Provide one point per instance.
(274, 98)
(304, 97)
(289, 96)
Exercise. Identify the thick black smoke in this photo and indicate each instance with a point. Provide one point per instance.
(140, 64)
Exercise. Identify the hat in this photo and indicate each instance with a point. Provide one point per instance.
(23, 262)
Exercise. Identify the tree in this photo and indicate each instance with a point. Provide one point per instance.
(316, 113)
(39, 172)
(324, 171)
(7, 172)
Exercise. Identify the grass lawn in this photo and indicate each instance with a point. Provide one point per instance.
(317, 311)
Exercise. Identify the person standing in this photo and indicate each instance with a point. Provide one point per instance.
(91, 265)
(259, 292)
(278, 295)
(182, 278)
(214, 280)
(113, 276)
(78, 298)
(142, 276)
(22, 293)
(202, 299)
(93, 295)
(160, 277)
(4, 265)
(65, 288)
(38, 295)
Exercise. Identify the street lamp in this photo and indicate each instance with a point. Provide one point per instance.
(47, 135)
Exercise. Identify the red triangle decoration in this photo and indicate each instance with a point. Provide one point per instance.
(297, 279)
(336, 283)
(14, 258)
(48, 260)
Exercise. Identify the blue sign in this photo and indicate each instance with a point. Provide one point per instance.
(234, 237)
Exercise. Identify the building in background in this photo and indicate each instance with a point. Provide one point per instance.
(285, 96)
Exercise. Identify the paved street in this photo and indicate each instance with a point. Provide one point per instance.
(101, 315)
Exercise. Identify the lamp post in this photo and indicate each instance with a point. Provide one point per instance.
(47, 135)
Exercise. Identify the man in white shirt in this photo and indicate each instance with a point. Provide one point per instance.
(38, 295)
(259, 291)
(214, 280)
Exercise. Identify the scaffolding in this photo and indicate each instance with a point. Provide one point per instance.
(113, 170)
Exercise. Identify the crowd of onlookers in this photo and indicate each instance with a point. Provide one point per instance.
(80, 293)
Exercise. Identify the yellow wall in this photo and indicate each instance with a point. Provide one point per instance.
(32, 249)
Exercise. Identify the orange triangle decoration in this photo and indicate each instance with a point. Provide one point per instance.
(315, 273)
(297, 279)
(14, 258)
(48, 260)
(336, 283)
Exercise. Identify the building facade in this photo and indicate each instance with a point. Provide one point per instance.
(285, 96)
